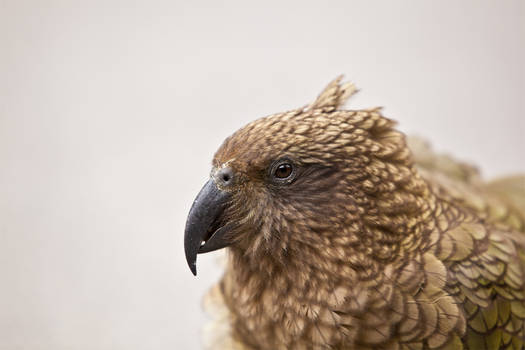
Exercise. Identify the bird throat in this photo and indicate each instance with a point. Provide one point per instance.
(291, 299)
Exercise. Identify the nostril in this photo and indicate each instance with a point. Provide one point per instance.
(225, 175)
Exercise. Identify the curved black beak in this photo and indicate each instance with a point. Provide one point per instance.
(204, 224)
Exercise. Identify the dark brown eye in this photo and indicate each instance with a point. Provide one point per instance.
(283, 171)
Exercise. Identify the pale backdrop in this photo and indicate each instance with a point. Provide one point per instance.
(110, 113)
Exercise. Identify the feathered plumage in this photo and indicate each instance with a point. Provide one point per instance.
(366, 243)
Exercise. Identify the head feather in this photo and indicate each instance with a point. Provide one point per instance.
(334, 95)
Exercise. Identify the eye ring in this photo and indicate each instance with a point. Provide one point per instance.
(283, 171)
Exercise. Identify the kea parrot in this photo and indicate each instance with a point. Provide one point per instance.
(342, 233)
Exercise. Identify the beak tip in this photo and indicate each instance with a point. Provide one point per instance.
(192, 264)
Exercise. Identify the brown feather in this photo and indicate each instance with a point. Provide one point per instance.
(371, 246)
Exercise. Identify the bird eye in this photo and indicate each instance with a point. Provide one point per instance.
(283, 171)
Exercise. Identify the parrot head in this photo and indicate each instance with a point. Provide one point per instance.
(308, 181)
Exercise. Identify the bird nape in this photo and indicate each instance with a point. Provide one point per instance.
(343, 234)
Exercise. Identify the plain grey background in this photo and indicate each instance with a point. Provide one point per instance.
(110, 113)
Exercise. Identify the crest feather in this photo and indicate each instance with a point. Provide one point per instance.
(334, 95)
